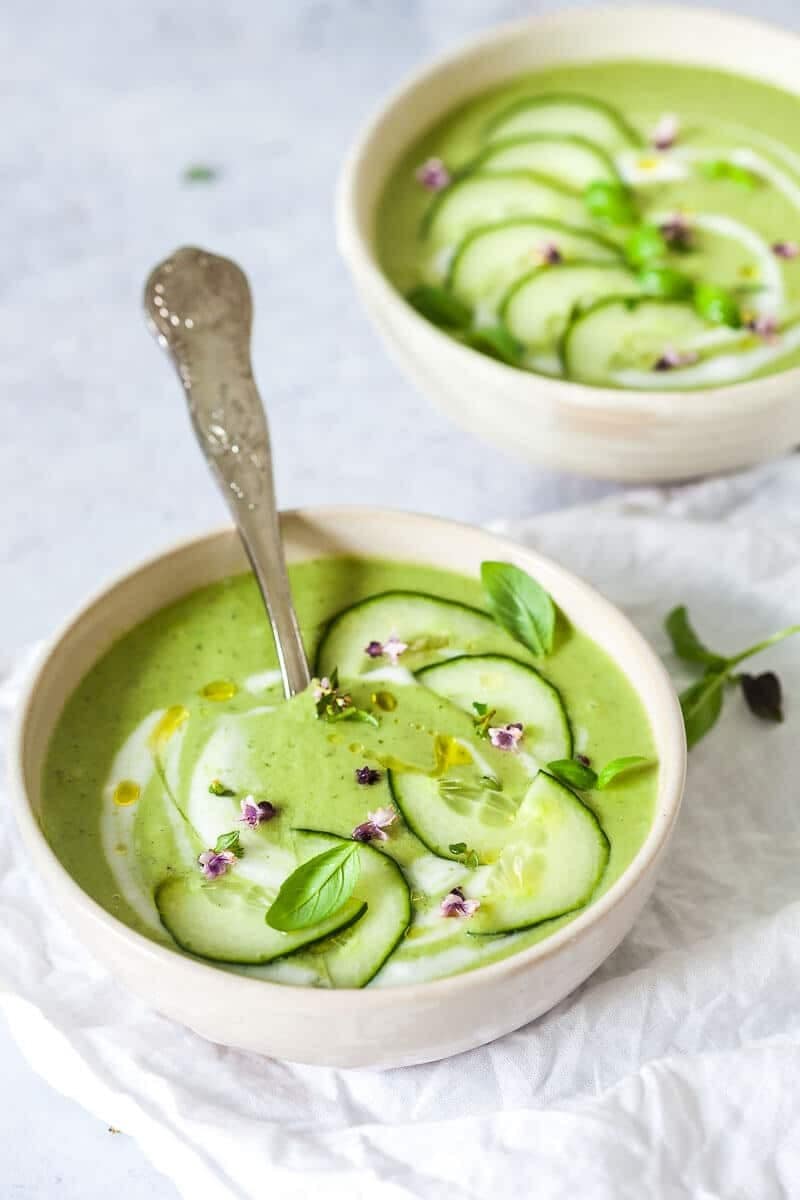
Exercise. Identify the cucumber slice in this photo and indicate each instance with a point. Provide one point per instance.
(352, 956)
(466, 805)
(554, 858)
(432, 628)
(620, 333)
(583, 116)
(573, 161)
(225, 921)
(538, 307)
(478, 198)
(516, 691)
(492, 257)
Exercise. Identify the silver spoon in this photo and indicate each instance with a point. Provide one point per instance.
(200, 309)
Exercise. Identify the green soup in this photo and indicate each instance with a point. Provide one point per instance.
(624, 224)
(182, 725)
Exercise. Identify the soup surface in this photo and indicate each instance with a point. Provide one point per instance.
(623, 224)
(185, 794)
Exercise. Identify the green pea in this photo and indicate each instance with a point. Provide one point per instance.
(645, 244)
(717, 305)
(666, 282)
(610, 201)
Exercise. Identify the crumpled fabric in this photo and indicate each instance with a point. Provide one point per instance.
(674, 1071)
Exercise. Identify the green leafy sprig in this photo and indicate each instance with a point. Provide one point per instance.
(702, 701)
(483, 718)
(333, 704)
(317, 889)
(466, 855)
(520, 605)
(581, 776)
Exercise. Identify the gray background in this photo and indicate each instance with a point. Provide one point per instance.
(103, 106)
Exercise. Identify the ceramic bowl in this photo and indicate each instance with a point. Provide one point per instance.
(374, 1027)
(640, 436)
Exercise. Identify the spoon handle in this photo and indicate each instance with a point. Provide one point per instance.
(200, 308)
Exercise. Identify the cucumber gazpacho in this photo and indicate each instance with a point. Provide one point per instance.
(567, 224)
(465, 773)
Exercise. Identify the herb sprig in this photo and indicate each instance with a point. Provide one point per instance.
(317, 889)
(581, 776)
(520, 605)
(334, 704)
(702, 701)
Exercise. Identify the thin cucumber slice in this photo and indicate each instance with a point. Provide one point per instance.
(491, 258)
(352, 956)
(225, 921)
(515, 691)
(538, 307)
(554, 858)
(572, 161)
(432, 628)
(622, 333)
(478, 198)
(583, 116)
(474, 804)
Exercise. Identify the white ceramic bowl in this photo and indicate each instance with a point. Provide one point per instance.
(634, 436)
(374, 1027)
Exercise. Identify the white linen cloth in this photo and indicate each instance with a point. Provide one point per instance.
(673, 1072)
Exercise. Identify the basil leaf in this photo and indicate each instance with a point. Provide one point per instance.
(619, 766)
(497, 342)
(520, 605)
(229, 841)
(317, 889)
(701, 705)
(763, 695)
(573, 773)
(686, 643)
(440, 307)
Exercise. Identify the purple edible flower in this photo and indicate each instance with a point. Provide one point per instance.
(433, 175)
(550, 255)
(455, 904)
(255, 812)
(677, 231)
(392, 648)
(670, 359)
(583, 759)
(374, 828)
(765, 326)
(665, 134)
(785, 249)
(214, 863)
(505, 737)
(367, 775)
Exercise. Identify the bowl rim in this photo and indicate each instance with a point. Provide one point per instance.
(358, 254)
(672, 769)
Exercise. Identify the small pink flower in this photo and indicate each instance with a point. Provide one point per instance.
(677, 231)
(665, 134)
(785, 249)
(374, 828)
(670, 359)
(433, 175)
(255, 812)
(214, 863)
(549, 254)
(455, 904)
(321, 687)
(766, 327)
(505, 737)
(391, 649)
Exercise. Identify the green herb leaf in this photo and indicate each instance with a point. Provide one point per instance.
(701, 705)
(573, 773)
(520, 605)
(468, 857)
(497, 342)
(610, 201)
(440, 307)
(483, 718)
(218, 789)
(645, 244)
(457, 847)
(717, 304)
(686, 643)
(480, 709)
(763, 695)
(619, 766)
(230, 841)
(491, 784)
(317, 889)
(200, 173)
(721, 168)
(665, 282)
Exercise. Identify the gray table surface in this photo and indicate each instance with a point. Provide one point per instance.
(104, 105)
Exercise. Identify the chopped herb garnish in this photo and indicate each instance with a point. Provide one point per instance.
(702, 702)
(218, 788)
(333, 704)
(520, 605)
(483, 718)
(722, 168)
(229, 841)
(317, 889)
(467, 856)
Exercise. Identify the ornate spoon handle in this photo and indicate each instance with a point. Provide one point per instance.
(200, 310)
